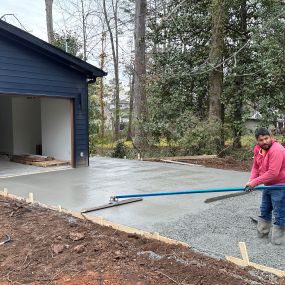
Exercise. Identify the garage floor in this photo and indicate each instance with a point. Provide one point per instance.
(10, 169)
(214, 228)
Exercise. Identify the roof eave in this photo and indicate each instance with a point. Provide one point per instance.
(52, 51)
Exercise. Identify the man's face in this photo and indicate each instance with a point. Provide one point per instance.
(265, 142)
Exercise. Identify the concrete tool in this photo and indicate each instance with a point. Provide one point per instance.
(131, 198)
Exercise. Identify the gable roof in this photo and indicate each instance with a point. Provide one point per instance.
(40, 46)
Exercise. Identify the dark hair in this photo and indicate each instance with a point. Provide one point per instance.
(261, 132)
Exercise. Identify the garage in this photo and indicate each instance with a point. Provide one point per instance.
(43, 101)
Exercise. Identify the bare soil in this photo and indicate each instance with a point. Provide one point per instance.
(227, 163)
(49, 247)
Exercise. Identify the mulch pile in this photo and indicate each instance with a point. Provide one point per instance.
(49, 247)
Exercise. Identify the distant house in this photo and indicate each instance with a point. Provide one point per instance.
(43, 98)
(255, 118)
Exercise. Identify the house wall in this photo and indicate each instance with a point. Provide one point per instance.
(56, 128)
(6, 125)
(251, 125)
(25, 71)
(26, 124)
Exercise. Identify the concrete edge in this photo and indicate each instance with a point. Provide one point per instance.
(96, 220)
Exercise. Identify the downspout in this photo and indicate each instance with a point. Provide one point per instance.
(90, 81)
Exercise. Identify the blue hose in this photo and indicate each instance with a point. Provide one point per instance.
(216, 190)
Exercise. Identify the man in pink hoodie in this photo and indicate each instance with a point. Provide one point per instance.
(269, 169)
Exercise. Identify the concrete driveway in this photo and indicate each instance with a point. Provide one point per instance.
(10, 169)
(87, 187)
(214, 228)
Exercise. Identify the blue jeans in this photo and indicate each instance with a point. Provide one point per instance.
(273, 201)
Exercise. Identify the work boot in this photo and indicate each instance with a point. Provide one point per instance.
(263, 227)
(278, 235)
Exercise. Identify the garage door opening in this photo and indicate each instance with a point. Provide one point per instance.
(32, 126)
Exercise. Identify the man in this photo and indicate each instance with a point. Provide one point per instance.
(269, 169)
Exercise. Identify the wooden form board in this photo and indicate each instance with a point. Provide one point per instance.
(175, 158)
(30, 157)
(45, 163)
(98, 220)
(178, 162)
(245, 262)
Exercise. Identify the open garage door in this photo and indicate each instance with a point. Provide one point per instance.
(37, 126)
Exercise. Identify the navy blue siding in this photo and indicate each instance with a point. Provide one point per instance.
(26, 72)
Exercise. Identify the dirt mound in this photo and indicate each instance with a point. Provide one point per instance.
(48, 247)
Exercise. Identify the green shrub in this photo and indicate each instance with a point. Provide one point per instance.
(202, 138)
(120, 150)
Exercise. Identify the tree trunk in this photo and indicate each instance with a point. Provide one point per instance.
(140, 109)
(117, 117)
(130, 123)
(49, 20)
(101, 86)
(216, 74)
(115, 54)
(84, 31)
(215, 60)
(239, 81)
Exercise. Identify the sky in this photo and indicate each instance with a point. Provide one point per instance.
(32, 18)
(31, 14)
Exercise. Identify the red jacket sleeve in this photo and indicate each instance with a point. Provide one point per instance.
(275, 163)
(254, 169)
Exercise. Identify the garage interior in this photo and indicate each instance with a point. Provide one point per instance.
(35, 126)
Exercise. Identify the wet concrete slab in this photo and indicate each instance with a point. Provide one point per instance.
(10, 169)
(89, 187)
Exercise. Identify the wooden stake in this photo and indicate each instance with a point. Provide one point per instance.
(243, 252)
(156, 235)
(241, 262)
(31, 198)
(5, 192)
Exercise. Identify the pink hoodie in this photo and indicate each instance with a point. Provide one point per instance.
(270, 168)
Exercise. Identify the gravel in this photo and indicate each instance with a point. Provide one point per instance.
(217, 231)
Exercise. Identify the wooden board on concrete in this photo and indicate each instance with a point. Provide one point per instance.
(176, 158)
(31, 157)
(43, 163)
(51, 163)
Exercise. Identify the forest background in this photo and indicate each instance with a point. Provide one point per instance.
(185, 77)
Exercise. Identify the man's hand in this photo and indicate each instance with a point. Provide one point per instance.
(248, 187)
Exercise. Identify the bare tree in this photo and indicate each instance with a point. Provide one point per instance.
(83, 21)
(81, 17)
(113, 34)
(130, 71)
(140, 108)
(101, 84)
(49, 20)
